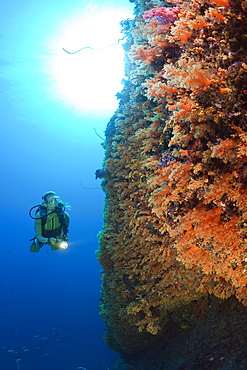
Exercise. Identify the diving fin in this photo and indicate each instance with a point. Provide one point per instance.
(34, 248)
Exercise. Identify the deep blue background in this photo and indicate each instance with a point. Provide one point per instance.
(47, 145)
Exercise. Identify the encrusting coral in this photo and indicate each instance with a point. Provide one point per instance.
(175, 224)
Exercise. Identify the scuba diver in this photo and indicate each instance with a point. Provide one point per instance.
(51, 223)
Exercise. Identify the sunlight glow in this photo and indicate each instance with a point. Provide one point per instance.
(89, 79)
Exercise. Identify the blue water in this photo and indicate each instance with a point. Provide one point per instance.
(48, 300)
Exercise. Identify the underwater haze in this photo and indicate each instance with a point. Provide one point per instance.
(54, 109)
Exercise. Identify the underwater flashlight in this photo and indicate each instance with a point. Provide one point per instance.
(59, 244)
(63, 245)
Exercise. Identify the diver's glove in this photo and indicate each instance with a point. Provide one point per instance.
(52, 241)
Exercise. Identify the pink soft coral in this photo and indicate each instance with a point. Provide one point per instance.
(162, 14)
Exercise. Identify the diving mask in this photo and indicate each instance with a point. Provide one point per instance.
(53, 202)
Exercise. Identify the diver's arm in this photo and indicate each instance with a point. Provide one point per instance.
(67, 219)
(66, 229)
(38, 229)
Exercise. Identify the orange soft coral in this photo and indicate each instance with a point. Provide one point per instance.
(175, 223)
(147, 55)
(220, 2)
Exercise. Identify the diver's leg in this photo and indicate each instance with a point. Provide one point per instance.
(35, 247)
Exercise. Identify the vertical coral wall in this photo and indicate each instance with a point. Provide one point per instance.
(175, 220)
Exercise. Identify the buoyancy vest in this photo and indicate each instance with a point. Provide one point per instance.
(62, 229)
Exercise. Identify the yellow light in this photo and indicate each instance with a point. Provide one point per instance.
(63, 245)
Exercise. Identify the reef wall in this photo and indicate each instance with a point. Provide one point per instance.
(175, 218)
